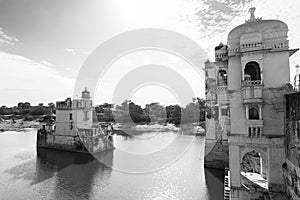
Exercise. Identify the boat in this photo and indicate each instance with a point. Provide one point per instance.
(198, 130)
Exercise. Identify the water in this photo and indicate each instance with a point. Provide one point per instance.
(62, 175)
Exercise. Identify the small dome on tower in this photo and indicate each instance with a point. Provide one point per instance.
(85, 94)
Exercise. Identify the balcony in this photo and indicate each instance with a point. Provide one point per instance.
(251, 46)
(252, 91)
(222, 86)
(254, 128)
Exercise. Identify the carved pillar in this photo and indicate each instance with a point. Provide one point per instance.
(260, 111)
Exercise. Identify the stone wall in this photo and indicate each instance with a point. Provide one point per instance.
(216, 154)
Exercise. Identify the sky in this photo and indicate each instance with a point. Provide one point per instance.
(43, 43)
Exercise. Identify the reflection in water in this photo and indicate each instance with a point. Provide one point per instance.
(73, 172)
(215, 182)
(66, 175)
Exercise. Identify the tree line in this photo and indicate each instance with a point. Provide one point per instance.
(26, 110)
(128, 111)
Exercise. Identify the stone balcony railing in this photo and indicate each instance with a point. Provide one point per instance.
(251, 46)
(233, 50)
(255, 128)
(252, 91)
(221, 56)
(252, 83)
(280, 45)
(221, 86)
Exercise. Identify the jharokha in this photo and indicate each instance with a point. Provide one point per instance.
(254, 116)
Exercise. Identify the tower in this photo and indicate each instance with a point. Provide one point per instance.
(258, 79)
(83, 110)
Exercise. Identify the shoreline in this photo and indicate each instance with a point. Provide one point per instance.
(17, 125)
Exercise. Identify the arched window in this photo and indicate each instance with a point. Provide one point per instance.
(253, 113)
(252, 69)
(222, 77)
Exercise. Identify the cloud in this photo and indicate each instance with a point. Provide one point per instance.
(6, 39)
(72, 51)
(216, 15)
(23, 79)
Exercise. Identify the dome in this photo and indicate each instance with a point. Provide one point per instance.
(267, 29)
(251, 38)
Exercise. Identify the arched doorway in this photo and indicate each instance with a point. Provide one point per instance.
(251, 162)
(252, 71)
(254, 169)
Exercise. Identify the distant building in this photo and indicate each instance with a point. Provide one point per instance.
(218, 115)
(73, 128)
(73, 114)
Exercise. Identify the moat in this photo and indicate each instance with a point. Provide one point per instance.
(65, 175)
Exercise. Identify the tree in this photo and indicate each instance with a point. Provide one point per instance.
(156, 112)
(191, 113)
(20, 105)
(37, 111)
(5, 110)
(104, 112)
(25, 112)
(173, 114)
(26, 105)
(202, 107)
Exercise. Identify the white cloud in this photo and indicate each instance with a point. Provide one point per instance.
(23, 79)
(6, 39)
(72, 51)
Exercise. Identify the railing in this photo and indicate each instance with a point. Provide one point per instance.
(227, 195)
(280, 45)
(221, 56)
(234, 50)
(251, 45)
(254, 131)
(297, 83)
(252, 91)
(252, 83)
(255, 128)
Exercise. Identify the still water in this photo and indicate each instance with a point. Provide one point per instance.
(64, 175)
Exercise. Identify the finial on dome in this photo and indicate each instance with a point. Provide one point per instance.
(252, 16)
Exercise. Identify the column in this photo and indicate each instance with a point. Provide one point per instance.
(247, 112)
(260, 111)
(234, 165)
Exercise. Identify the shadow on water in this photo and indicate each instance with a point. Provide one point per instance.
(215, 183)
(69, 174)
(73, 172)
